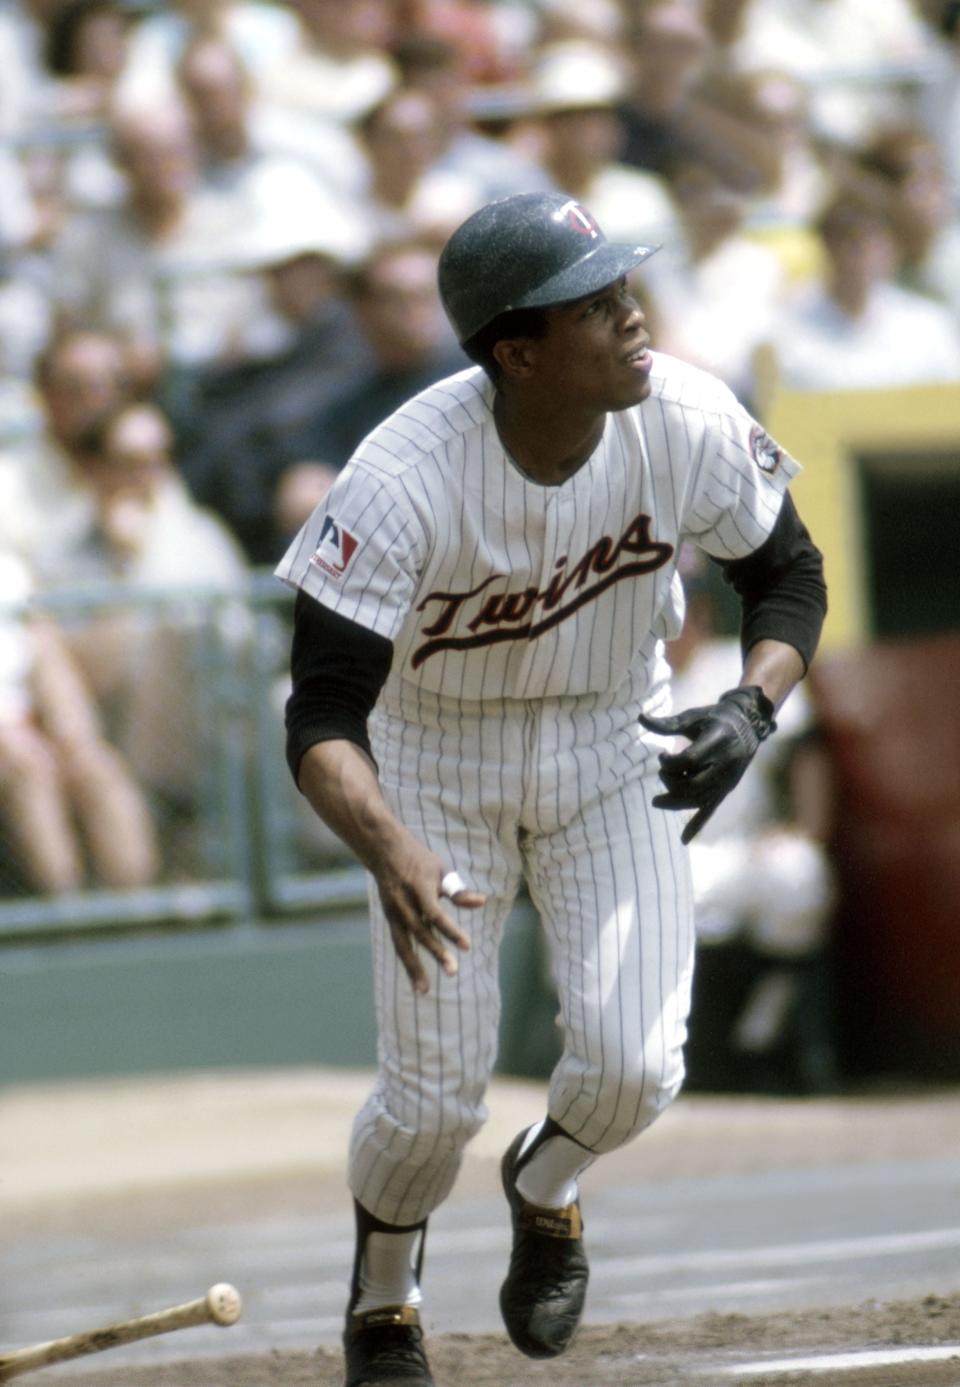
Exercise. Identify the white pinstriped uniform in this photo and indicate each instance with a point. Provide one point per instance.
(527, 623)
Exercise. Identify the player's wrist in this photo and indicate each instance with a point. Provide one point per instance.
(755, 706)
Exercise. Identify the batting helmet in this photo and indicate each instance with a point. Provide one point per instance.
(527, 251)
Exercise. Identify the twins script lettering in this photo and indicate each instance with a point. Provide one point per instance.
(486, 616)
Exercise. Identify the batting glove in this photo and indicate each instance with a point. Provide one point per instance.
(724, 740)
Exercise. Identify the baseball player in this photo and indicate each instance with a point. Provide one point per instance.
(480, 697)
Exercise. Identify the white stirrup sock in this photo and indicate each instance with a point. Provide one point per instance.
(387, 1275)
(549, 1179)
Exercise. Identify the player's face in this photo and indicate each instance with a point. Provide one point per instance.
(595, 351)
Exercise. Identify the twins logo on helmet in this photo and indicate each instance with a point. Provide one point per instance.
(578, 219)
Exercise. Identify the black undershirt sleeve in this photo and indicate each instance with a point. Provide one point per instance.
(781, 587)
(338, 669)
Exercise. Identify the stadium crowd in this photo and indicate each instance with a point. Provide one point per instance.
(220, 219)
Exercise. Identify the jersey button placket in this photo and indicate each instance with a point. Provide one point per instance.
(534, 665)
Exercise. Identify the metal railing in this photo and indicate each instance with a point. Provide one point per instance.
(196, 714)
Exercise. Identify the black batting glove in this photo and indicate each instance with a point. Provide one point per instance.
(723, 741)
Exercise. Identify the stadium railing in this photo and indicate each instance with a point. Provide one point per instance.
(195, 706)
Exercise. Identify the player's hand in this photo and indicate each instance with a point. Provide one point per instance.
(724, 740)
(411, 899)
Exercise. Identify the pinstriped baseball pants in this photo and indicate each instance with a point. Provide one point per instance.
(558, 794)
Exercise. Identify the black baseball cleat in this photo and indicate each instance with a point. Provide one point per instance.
(541, 1300)
(384, 1348)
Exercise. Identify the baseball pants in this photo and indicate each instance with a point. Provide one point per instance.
(559, 794)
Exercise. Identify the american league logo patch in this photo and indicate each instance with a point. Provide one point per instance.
(335, 548)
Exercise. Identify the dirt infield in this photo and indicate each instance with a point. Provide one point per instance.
(702, 1352)
(139, 1153)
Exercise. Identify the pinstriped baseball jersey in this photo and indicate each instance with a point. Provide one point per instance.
(526, 622)
(491, 585)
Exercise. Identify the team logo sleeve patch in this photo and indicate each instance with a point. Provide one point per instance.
(765, 452)
(335, 548)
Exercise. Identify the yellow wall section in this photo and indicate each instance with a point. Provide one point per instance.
(826, 433)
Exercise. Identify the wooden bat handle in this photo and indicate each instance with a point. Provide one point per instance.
(221, 1305)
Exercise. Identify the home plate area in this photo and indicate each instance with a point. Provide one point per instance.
(874, 1366)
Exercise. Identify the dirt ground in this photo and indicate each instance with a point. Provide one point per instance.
(688, 1353)
(293, 1113)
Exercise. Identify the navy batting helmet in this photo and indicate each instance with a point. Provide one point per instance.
(527, 251)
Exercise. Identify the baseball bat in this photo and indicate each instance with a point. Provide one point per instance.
(221, 1305)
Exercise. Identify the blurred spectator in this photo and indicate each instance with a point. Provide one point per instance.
(35, 108)
(26, 322)
(909, 162)
(859, 330)
(794, 181)
(340, 67)
(260, 32)
(677, 106)
(668, 44)
(145, 532)
(497, 167)
(258, 184)
(235, 435)
(398, 309)
(730, 24)
(22, 38)
(763, 887)
(939, 102)
(157, 268)
(408, 194)
(80, 376)
(862, 59)
(85, 52)
(46, 166)
(299, 490)
(576, 88)
(793, 178)
(18, 211)
(603, 21)
(70, 809)
(492, 41)
(240, 134)
(144, 528)
(719, 306)
(20, 221)
(815, 36)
